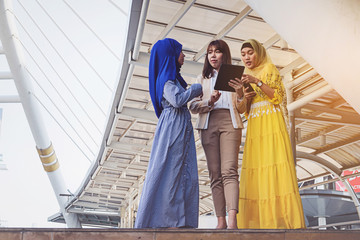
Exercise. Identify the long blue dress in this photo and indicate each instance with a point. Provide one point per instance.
(170, 195)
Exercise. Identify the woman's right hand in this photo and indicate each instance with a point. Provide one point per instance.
(215, 95)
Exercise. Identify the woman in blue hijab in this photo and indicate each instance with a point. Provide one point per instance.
(170, 195)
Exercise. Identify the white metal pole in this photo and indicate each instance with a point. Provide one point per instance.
(31, 107)
(134, 53)
(5, 75)
(352, 194)
(140, 30)
(294, 83)
(9, 99)
(309, 98)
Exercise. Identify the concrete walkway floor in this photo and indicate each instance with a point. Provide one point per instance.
(173, 234)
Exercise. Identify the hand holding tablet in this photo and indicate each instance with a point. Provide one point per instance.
(226, 73)
(250, 88)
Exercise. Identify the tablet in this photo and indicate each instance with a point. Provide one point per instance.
(227, 72)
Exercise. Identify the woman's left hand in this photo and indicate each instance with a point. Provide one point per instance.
(237, 85)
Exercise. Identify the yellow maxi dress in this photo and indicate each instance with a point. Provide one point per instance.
(269, 196)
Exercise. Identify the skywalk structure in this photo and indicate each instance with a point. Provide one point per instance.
(314, 44)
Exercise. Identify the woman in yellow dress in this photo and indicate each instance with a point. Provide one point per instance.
(269, 195)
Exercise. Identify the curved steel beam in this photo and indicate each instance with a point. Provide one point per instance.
(335, 171)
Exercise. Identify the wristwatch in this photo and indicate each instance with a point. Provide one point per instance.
(259, 83)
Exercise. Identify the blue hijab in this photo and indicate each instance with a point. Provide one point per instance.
(163, 67)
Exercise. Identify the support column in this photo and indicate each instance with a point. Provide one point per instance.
(290, 98)
(322, 222)
(32, 111)
(293, 134)
(123, 216)
(130, 225)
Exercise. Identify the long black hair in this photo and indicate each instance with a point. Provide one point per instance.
(226, 58)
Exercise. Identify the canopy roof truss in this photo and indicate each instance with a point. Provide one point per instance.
(326, 125)
(122, 167)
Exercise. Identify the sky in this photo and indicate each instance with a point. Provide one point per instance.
(72, 50)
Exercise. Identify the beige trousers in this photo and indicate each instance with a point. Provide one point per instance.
(221, 142)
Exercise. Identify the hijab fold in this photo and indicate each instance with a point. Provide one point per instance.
(163, 67)
(262, 59)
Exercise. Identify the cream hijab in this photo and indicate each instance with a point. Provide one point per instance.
(262, 60)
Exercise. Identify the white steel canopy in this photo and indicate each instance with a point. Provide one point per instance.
(325, 125)
(319, 110)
